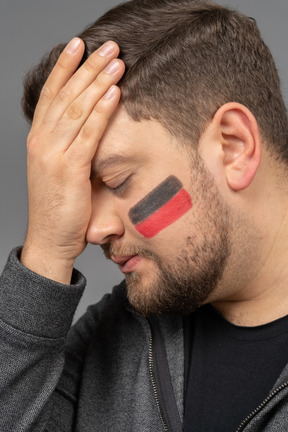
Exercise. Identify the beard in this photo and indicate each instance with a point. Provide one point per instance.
(184, 281)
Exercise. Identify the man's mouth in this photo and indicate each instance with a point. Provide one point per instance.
(126, 263)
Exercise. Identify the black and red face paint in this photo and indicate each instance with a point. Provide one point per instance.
(161, 207)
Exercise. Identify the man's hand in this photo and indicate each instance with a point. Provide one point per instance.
(70, 118)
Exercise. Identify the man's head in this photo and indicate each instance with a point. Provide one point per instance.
(158, 214)
(200, 75)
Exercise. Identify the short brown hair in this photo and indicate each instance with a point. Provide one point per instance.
(184, 59)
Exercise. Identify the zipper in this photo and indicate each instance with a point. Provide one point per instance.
(153, 380)
(158, 399)
(261, 406)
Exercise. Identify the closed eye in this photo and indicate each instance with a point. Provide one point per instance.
(120, 188)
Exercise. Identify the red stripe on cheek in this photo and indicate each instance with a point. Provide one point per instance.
(166, 215)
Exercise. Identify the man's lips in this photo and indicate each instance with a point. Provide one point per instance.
(126, 262)
(121, 259)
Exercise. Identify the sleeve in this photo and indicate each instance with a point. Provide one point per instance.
(35, 317)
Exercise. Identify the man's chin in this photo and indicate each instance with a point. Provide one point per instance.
(142, 293)
(150, 295)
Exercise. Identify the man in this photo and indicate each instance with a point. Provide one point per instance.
(183, 184)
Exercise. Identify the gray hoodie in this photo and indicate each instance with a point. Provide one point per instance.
(115, 371)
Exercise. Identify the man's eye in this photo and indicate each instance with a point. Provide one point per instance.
(119, 189)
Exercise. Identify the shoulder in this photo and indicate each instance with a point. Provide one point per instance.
(111, 316)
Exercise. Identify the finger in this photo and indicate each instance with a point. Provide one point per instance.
(81, 79)
(78, 112)
(64, 68)
(83, 148)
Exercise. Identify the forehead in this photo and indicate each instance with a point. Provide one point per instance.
(125, 139)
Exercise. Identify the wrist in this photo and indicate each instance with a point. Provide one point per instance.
(46, 264)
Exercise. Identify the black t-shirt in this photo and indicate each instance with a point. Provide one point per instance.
(230, 370)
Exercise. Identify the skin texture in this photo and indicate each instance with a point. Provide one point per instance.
(229, 249)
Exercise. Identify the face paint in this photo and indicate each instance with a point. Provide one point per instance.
(160, 208)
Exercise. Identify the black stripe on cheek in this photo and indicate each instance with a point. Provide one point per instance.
(155, 199)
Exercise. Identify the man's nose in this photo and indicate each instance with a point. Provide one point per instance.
(105, 224)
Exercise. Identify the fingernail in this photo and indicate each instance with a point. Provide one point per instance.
(107, 48)
(73, 45)
(112, 67)
(110, 93)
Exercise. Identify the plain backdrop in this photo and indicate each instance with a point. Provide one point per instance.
(30, 28)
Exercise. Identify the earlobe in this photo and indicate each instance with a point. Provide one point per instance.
(241, 145)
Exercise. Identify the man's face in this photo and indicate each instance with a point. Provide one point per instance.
(158, 214)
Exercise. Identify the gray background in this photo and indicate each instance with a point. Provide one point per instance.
(28, 29)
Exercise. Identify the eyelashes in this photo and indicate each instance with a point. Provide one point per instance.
(119, 189)
(117, 185)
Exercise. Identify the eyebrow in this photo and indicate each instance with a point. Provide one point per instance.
(101, 165)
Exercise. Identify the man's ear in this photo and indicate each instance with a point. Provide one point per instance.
(241, 144)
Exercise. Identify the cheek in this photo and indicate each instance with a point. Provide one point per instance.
(166, 215)
(167, 203)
